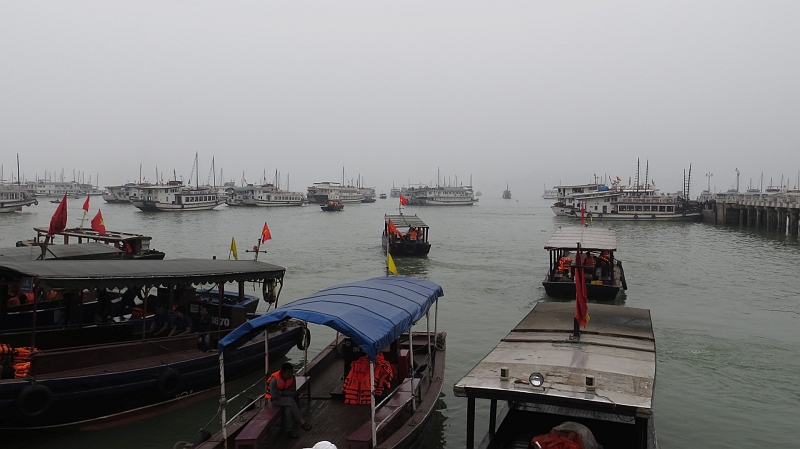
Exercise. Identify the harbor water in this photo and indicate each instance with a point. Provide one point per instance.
(724, 304)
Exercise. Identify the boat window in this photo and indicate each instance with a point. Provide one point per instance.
(670, 208)
(646, 208)
(638, 208)
(662, 208)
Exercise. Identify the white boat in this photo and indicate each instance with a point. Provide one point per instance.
(120, 194)
(645, 204)
(174, 196)
(569, 197)
(12, 199)
(57, 189)
(263, 196)
(321, 192)
(550, 194)
(442, 196)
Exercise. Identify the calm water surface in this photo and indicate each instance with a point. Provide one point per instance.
(724, 305)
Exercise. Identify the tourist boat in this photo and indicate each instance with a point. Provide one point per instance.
(123, 194)
(604, 278)
(332, 206)
(397, 191)
(42, 188)
(12, 200)
(266, 195)
(174, 196)
(411, 238)
(566, 202)
(88, 375)
(133, 246)
(321, 192)
(84, 251)
(376, 321)
(442, 196)
(506, 193)
(550, 194)
(634, 203)
(382, 196)
(546, 379)
(368, 193)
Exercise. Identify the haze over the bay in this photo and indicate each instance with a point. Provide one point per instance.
(530, 92)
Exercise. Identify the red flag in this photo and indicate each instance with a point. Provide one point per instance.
(86, 205)
(581, 309)
(583, 220)
(393, 228)
(59, 221)
(265, 235)
(98, 224)
(403, 200)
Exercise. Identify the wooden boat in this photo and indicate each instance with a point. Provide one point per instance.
(83, 251)
(604, 278)
(12, 200)
(603, 380)
(402, 244)
(90, 374)
(133, 246)
(332, 206)
(373, 318)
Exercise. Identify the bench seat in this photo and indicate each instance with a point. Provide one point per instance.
(257, 430)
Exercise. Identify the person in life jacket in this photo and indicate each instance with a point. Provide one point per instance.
(281, 391)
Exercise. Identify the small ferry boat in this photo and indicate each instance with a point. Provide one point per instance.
(375, 386)
(332, 206)
(322, 192)
(553, 384)
(507, 193)
(603, 274)
(405, 235)
(120, 194)
(174, 197)
(95, 366)
(133, 246)
(266, 195)
(382, 196)
(12, 200)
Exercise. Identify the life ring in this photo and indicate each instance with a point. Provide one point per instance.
(635, 216)
(35, 203)
(305, 340)
(409, 247)
(34, 400)
(169, 382)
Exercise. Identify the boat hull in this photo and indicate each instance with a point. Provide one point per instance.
(15, 206)
(438, 202)
(154, 206)
(407, 249)
(685, 216)
(593, 291)
(83, 399)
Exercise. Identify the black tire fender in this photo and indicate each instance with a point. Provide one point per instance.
(34, 400)
(305, 340)
(169, 382)
(653, 216)
(409, 247)
(635, 216)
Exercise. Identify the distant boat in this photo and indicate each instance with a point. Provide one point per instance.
(55, 201)
(506, 193)
(332, 206)
(383, 196)
(550, 194)
(13, 200)
(478, 193)
(413, 237)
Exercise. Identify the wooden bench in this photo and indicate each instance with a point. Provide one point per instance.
(258, 429)
(388, 417)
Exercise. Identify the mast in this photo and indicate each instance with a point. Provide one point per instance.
(214, 171)
(19, 182)
(140, 173)
(197, 169)
(647, 175)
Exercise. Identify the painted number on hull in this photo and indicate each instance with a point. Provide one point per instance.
(225, 321)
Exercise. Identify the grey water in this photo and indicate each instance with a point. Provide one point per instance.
(724, 304)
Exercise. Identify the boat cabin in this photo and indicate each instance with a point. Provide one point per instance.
(83, 251)
(602, 273)
(133, 246)
(543, 379)
(405, 235)
(90, 333)
(374, 386)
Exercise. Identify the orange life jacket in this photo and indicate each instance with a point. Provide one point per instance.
(557, 440)
(564, 263)
(282, 384)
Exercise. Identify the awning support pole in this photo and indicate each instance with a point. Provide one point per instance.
(428, 333)
(411, 366)
(222, 401)
(372, 402)
(435, 323)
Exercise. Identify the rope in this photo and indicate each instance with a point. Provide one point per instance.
(440, 341)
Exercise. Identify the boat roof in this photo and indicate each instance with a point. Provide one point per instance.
(111, 236)
(617, 347)
(590, 238)
(372, 313)
(576, 186)
(109, 274)
(91, 250)
(405, 221)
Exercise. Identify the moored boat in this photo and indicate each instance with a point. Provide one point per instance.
(553, 385)
(603, 273)
(405, 235)
(87, 373)
(374, 320)
(12, 200)
(382, 196)
(442, 196)
(175, 197)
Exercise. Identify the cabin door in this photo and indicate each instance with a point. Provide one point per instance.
(605, 209)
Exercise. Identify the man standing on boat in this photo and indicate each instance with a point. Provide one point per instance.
(282, 391)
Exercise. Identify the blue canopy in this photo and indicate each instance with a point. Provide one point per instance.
(372, 313)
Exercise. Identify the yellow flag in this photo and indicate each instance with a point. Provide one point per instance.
(233, 249)
(390, 264)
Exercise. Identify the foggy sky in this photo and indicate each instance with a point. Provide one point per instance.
(530, 92)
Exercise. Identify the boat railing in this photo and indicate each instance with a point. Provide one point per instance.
(247, 406)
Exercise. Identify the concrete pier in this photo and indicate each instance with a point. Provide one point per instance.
(774, 212)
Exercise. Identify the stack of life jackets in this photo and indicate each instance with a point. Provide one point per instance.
(22, 361)
(564, 264)
(7, 354)
(356, 386)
